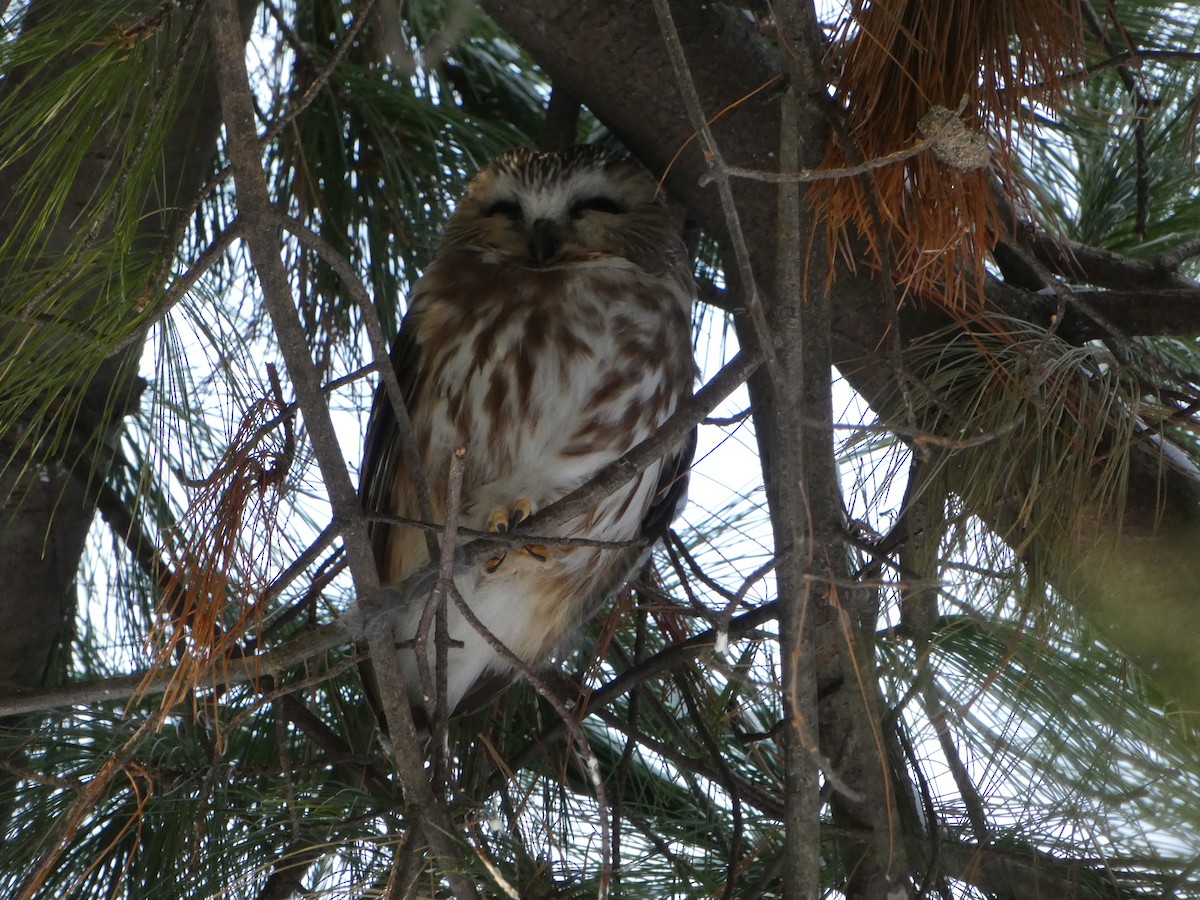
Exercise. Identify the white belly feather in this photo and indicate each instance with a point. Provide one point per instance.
(528, 440)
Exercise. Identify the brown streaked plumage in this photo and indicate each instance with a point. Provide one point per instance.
(550, 335)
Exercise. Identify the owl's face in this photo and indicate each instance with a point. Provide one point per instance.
(548, 210)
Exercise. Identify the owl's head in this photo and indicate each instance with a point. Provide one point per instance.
(552, 209)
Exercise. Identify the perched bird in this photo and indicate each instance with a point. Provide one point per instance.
(550, 335)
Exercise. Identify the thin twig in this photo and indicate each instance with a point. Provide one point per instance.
(319, 80)
(1171, 259)
(590, 763)
(183, 284)
(808, 176)
(726, 421)
(435, 614)
(1132, 59)
(622, 470)
(387, 373)
(652, 667)
(720, 176)
(726, 615)
(504, 539)
(759, 797)
(147, 683)
(679, 553)
(302, 561)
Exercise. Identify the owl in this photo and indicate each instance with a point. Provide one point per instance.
(550, 334)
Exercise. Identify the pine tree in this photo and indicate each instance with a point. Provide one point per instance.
(934, 639)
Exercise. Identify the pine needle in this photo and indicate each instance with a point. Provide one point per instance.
(930, 218)
(209, 602)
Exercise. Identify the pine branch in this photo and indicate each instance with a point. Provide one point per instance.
(262, 239)
(796, 473)
(1092, 265)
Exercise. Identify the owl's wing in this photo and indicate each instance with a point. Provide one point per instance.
(671, 492)
(381, 459)
(381, 453)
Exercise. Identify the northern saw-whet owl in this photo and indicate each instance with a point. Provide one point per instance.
(550, 335)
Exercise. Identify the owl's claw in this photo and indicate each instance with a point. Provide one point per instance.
(540, 552)
(503, 521)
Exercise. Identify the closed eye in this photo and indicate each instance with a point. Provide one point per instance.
(599, 203)
(510, 209)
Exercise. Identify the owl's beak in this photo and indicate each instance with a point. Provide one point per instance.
(545, 240)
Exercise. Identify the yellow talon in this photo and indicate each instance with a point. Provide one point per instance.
(502, 521)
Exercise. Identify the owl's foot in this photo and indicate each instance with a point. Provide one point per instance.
(503, 521)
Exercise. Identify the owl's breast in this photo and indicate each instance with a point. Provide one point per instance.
(546, 376)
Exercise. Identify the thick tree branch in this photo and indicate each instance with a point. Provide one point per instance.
(1145, 311)
(1085, 264)
(1132, 579)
